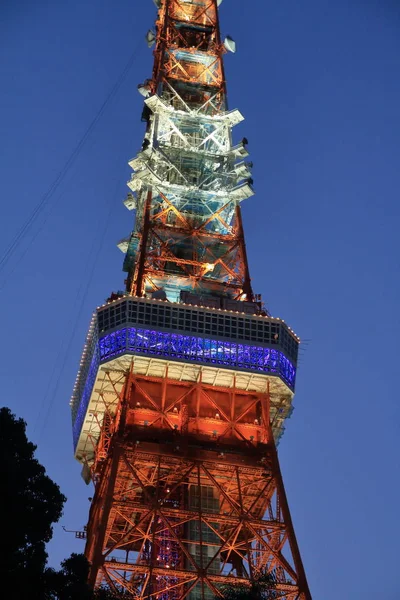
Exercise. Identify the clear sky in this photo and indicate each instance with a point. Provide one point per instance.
(318, 83)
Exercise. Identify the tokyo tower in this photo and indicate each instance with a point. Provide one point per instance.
(186, 380)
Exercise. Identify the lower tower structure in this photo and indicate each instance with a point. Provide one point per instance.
(186, 380)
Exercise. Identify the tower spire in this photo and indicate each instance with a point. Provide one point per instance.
(188, 180)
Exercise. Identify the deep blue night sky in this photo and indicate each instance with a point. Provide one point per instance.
(318, 83)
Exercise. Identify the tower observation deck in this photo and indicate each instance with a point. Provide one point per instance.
(186, 380)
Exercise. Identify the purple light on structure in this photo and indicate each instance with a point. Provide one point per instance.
(80, 409)
(197, 349)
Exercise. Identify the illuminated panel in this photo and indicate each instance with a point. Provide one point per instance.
(79, 409)
(197, 349)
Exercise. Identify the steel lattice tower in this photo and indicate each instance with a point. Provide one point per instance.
(186, 380)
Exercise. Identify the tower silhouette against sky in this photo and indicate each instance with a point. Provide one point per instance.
(186, 380)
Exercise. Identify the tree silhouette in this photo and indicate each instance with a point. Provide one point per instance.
(70, 582)
(30, 502)
(262, 587)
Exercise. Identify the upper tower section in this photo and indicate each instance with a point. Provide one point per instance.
(188, 67)
(189, 179)
(189, 313)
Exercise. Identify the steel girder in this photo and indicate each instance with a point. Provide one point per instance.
(188, 501)
(188, 233)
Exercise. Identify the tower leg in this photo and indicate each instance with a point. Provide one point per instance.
(179, 515)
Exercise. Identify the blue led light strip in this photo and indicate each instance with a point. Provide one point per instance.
(85, 398)
(197, 349)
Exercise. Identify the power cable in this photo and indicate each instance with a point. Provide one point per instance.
(73, 156)
(66, 343)
(93, 253)
(25, 251)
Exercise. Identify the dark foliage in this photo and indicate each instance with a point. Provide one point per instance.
(70, 583)
(30, 502)
(263, 587)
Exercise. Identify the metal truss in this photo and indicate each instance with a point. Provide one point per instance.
(180, 510)
(214, 405)
(175, 424)
(188, 184)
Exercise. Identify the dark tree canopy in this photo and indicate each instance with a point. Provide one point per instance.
(30, 502)
(262, 587)
(70, 582)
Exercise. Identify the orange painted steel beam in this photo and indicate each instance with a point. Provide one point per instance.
(144, 489)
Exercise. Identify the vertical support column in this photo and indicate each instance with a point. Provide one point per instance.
(298, 563)
(246, 276)
(136, 287)
(99, 515)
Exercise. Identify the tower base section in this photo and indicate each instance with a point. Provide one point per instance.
(180, 511)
